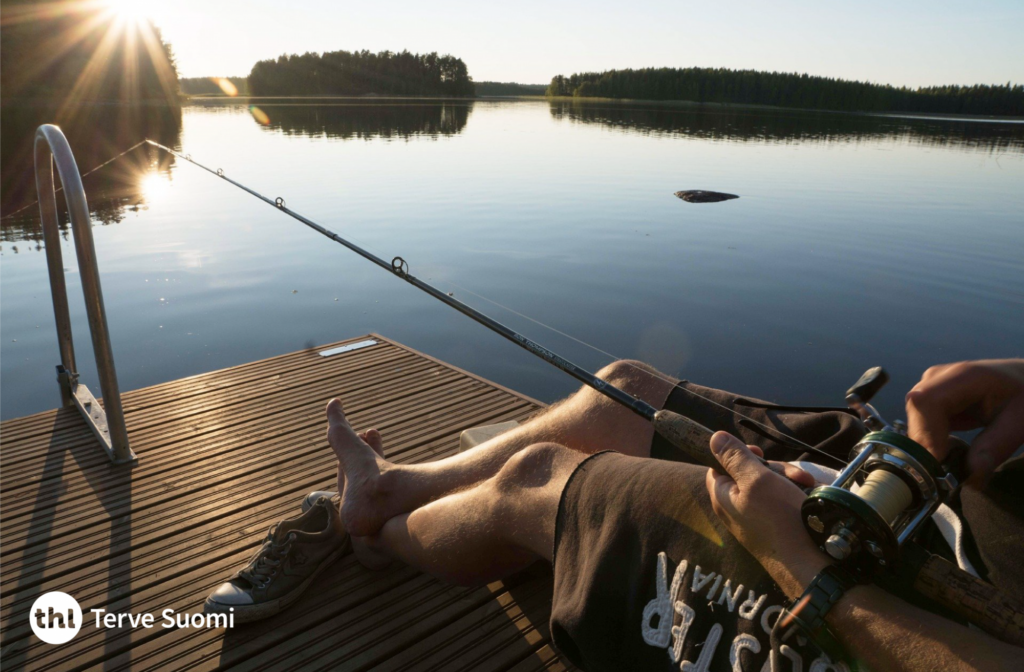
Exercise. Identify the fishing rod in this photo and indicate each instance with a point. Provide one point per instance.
(688, 435)
(865, 520)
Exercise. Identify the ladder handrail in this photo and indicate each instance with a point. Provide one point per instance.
(51, 147)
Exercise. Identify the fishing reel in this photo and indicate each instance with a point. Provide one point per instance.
(890, 487)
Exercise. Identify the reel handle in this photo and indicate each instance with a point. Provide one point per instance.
(868, 385)
(981, 603)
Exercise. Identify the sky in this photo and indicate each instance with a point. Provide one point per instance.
(912, 43)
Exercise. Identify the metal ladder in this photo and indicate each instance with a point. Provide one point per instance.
(51, 147)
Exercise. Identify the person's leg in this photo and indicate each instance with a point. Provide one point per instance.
(495, 528)
(485, 532)
(587, 422)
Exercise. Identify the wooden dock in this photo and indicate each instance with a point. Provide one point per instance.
(222, 456)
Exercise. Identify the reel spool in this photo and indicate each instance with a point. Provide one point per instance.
(890, 487)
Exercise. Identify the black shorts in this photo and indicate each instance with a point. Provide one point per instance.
(646, 577)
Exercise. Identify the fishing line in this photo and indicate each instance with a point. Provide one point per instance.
(86, 173)
(400, 267)
(654, 373)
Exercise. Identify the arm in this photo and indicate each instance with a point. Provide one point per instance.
(762, 510)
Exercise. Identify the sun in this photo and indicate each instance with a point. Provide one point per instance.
(131, 11)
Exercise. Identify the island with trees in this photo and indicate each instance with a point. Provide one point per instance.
(358, 73)
(752, 87)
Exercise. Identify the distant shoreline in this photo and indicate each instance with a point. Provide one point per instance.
(621, 101)
(754, 106)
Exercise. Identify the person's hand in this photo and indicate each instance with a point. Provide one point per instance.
(967, 395)
(762, 510)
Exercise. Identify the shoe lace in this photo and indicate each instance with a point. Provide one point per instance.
(265, 565)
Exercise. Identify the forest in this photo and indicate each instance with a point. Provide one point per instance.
(752, 87)
(348, 73)
(509, 89)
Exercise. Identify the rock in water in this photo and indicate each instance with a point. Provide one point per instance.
(700, 196)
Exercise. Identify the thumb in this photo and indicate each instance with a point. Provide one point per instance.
(735, 457)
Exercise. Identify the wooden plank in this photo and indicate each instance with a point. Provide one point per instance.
(140, 419)
(224, 455)
(360, 392)
(27, 426)
(90, 550)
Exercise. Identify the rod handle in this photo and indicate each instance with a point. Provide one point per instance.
(688, 436)
(979, 602)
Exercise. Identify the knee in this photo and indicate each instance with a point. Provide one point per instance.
(531, 467)
(630, 375)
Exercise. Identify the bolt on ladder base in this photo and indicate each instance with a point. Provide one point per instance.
(95, 416)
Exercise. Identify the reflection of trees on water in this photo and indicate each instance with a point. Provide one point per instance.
(96, 133)
(403, 120)
(100, 132)
(789, 126)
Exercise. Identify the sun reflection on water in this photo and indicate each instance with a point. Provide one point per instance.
(154, 187)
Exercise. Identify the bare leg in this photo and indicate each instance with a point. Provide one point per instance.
(495, 528)
(587, 422)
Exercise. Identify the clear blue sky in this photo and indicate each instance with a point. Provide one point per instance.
(904, 43)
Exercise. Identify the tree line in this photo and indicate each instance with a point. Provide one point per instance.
(721, 85)
(509, 89)
(353, 73)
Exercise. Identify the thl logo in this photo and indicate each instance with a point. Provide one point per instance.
(55, 617)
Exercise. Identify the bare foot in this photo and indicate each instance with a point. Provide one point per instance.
(365, 554)
(363, 502)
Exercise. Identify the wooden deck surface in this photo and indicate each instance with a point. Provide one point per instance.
(222, 456)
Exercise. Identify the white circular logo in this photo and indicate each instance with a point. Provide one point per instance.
(55, 617)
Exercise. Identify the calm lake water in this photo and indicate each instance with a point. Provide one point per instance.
(856, 241)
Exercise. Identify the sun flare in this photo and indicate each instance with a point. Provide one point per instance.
(154, 187)
(131, 11)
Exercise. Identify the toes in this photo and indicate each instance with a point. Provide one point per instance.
(336, 414)
(373, 439)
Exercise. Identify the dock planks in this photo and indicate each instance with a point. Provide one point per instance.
(222, 456)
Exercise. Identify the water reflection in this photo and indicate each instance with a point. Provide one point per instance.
(96, 133)
(128, 184)
(790, 126)
(400, 120)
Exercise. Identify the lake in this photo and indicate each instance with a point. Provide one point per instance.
(856, 241)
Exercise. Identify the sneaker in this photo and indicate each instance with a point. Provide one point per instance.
(295, 551)
(312, 498)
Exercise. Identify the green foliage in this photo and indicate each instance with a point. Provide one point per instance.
(509, 89)
(721, 85)
(346, 73)
(208, 86)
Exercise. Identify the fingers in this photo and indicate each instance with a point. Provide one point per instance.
(997, 443)
(944, 392)
(966, 395)
(793, 473)
(735, 457)
(722, 491)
